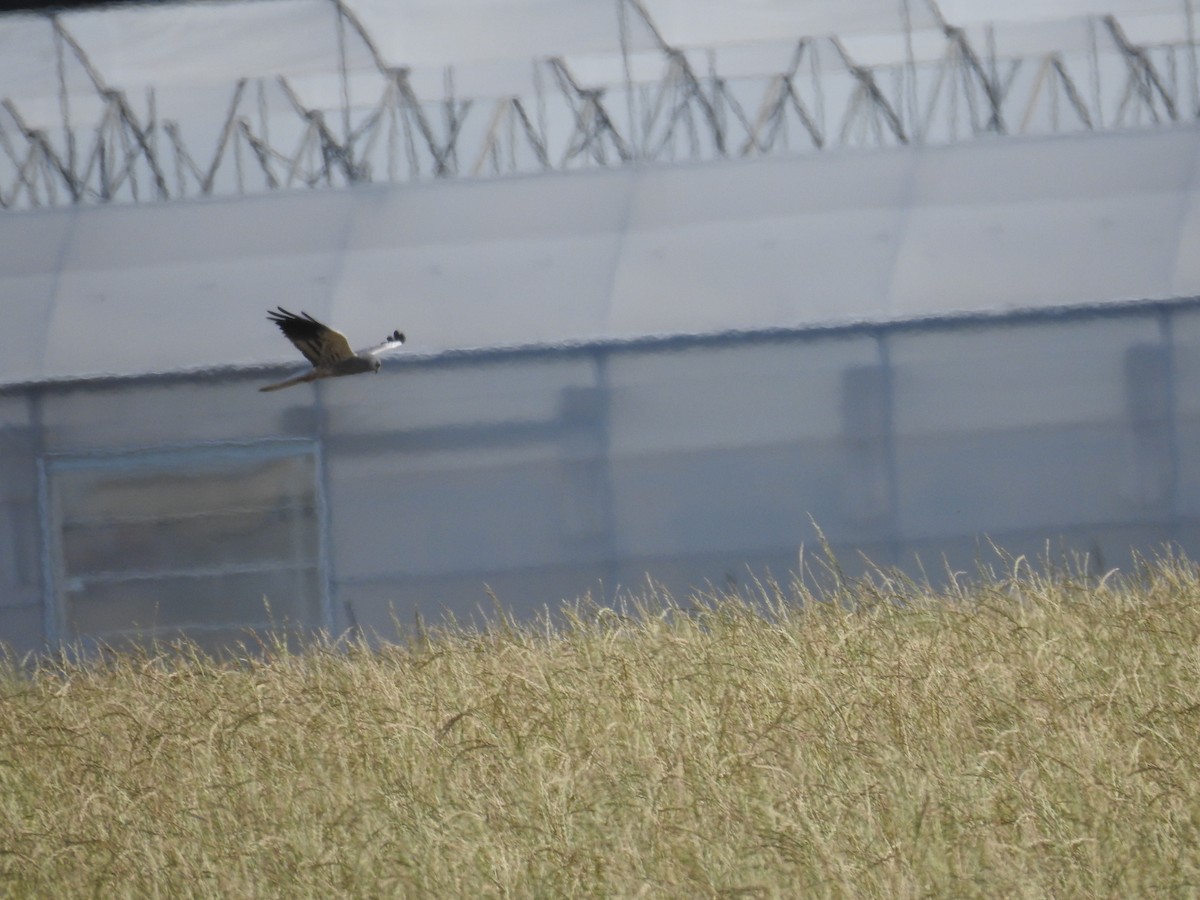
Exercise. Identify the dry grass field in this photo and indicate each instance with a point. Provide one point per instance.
(1028, 736)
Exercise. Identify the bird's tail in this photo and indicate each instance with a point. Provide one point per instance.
(297, 379)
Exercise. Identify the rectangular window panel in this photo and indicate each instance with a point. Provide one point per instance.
(207, 542)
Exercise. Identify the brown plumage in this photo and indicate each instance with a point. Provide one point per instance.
(327, 350)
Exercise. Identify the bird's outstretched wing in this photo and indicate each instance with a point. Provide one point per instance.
(320, 344)
(393, 340)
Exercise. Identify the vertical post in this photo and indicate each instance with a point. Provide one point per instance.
(585, 446)
(343, 73)
(868, 430)
(635, 139)
(910, 71)
(65, 109)
(1149, 405)
(1193, 74)
(52, 615)
(320, 438)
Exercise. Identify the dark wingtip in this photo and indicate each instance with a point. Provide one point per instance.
(398, 336)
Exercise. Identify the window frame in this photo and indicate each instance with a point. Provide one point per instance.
(129, 459)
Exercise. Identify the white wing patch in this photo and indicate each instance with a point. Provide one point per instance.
(394, 341)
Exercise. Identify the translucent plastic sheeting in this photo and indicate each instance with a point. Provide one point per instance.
(199, 43)
(780, 242)
(538, 476)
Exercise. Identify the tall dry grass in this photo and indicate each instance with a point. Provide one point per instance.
(1030, 736)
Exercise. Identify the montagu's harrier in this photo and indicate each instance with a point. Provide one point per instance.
(326, 349)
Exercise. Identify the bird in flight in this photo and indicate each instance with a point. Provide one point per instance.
(327, 350)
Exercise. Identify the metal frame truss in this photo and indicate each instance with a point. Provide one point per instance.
(268, 137)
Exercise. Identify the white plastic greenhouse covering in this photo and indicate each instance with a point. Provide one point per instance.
(667, 371)
(160, 503)
(180, 44)
(123, 290)
(190, 54)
